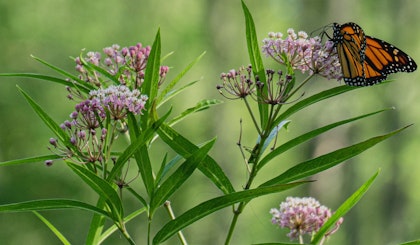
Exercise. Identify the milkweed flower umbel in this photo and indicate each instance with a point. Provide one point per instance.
(85, 125)
(127, 63)
(302, 216)
(303, 53)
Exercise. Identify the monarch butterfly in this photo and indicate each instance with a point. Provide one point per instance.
(367, 60)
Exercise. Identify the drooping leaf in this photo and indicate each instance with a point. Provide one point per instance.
(103, 188)
(213, 205)
(56, 232)
(168, 92)
(343, 209)
(184, 147)
(50, 204)
(309, 135)
(174, 181)
(321, 163)
(30, 160)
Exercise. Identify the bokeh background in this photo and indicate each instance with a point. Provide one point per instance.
(55, 30)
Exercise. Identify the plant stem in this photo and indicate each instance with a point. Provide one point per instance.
(252, 116)
(168, 207)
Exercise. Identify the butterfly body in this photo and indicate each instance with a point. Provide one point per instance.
(366, 60)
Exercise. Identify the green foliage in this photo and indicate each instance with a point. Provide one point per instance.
(160, 182)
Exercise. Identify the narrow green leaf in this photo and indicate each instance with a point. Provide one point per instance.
(202, 105)
(184, 147)
(166, 168)
(213, 205)
(174, 181)
(343, 209)
(172, 93)
(309, 135)
(103, 188)
(64, 73)
(313, 99)
(167, 92)
(329, 160)
(36, 159)
(273, 134)
(151, 79)
(96, 225)
(134, 146)
(46, 78)
(56, 232)
(114, 228)
(141, 154)
(277, 243)
(55, 128)
(256, 60)
(50, 204)
(416, 242)
(91, 67)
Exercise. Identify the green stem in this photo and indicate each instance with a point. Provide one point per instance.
(168, 207)
(252, 116)
(300, 86)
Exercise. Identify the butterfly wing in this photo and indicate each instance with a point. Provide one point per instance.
(367, 60)
(350, 42)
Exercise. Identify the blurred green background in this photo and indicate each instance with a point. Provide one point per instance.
(57, 29)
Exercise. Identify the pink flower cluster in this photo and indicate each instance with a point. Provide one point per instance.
(303, 53)
(302, 216)
(127, 63)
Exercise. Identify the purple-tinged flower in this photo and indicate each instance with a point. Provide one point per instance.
(302, 216)
(128, 63)
(303, 53)
(119, 100)
(90, 113)
(48, 163)
(53, 142)
(237, 83)
(276, 88)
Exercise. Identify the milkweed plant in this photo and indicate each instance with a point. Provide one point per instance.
(117, 97)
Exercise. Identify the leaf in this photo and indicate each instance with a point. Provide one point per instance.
(55, 128)
(173, 182)
(313, 99)
(174, 92)
(256, 61)
(321, 163)
(30, 160)
(140, 141)
(90, 67)
(273, 134)
(167, 92)
(151, 79)
(343, 209)
(307, 136)
(103, 188)
(114, 228)
(96, 225)
(139, 149)
(50, 204)
(57, 233)
(202, 105)
(184, 147)
(416, 242)
(212, 205)
(64, 73)
(46, 78)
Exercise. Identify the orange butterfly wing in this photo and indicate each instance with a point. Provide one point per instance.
(367, 60)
